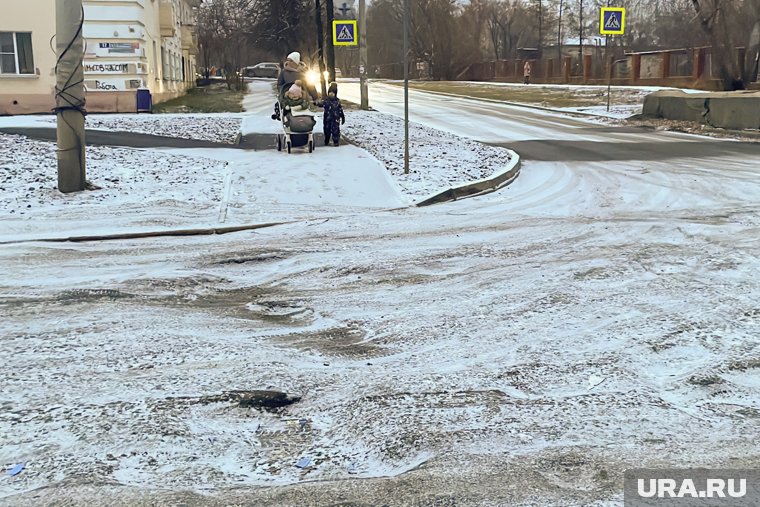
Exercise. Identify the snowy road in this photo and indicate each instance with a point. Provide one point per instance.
(575, 166)
(520, 348)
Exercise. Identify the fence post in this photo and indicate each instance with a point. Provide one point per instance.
(548, 68)
(586, 68)
(567, 64)
(665, 72)
(698, 65)
(635, 67)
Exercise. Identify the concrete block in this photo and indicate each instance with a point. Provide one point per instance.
(675, 105)
(740, 110)
(730, 110)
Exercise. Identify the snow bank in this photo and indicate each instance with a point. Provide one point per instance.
(437, 159)
(28, 177)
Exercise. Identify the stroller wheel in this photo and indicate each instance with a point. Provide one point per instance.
(311, 146)
(289, 146)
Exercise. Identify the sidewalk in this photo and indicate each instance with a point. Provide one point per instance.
(206, 185)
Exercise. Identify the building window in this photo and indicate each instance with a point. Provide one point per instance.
(16, 53)
(155, 62)
(164, 64)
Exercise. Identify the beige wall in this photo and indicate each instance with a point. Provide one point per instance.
(127, 21)
(30, 93)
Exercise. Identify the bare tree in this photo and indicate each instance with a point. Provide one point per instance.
(724, 22)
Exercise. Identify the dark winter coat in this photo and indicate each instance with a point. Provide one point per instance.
(332, 118)
(333, 111)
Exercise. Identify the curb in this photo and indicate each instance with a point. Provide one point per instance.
(151, 234)
(479, 187)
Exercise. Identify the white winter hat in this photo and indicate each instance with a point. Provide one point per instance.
(295, 56)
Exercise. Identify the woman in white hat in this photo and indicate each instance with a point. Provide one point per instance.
(292, 71)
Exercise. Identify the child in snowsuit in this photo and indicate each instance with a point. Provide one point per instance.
(333, 116)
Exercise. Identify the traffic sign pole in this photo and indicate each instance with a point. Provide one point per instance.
(406, 86)
(363, 55)
(609, 79)
(609, 59)
(611, 22)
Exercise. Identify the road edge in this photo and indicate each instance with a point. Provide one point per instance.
(483, 186)
(515, 104)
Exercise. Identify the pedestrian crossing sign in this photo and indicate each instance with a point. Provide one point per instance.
(612, 21)
(344, 32)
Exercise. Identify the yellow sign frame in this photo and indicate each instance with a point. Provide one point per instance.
(344, 22)
(621, 11)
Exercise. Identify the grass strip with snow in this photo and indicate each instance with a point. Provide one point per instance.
(437, 159)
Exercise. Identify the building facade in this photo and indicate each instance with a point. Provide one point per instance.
(129, 44)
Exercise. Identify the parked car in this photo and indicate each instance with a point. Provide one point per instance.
(264, 69)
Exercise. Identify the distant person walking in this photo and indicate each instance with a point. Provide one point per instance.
(526, 72)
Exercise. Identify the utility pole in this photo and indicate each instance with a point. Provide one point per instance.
(363, 54)
(540, 26)
(406, 86)
(69, 95)
(559, 35)
(580, 39)
(320, 46)
(330, 48)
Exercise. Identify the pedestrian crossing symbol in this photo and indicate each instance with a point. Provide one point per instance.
(344, 32)
(612, 21)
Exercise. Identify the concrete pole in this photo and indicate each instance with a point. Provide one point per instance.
(406, 86)
(363, 54)
(69, 95)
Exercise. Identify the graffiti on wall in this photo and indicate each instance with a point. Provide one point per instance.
(106, 67)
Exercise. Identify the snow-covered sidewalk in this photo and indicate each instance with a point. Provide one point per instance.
(155, 189)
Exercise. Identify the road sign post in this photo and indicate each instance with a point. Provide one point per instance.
(406, 86)
(364, 103)
(611, 22)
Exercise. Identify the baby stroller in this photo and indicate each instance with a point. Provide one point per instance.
(297, 127)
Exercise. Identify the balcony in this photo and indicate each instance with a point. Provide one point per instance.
(167, 18)
(189, 39)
